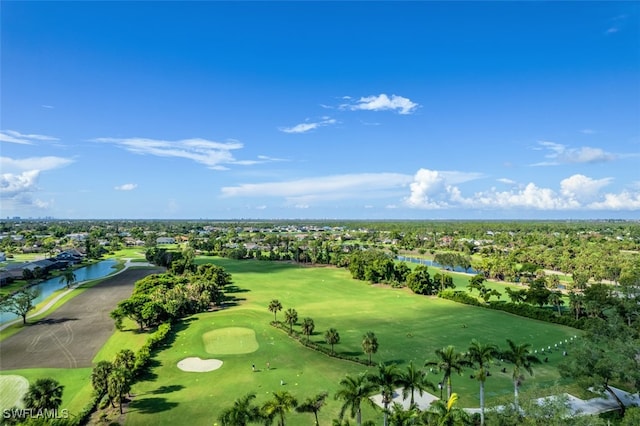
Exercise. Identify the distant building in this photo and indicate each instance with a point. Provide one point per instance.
(165, 240)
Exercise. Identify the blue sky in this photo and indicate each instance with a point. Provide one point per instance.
(320, 110)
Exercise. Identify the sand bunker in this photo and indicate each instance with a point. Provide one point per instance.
(199, 365)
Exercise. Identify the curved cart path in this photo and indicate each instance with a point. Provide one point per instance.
(72, 335)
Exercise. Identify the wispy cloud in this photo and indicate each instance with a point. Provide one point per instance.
(507, 181)
(303, 192)
(616, 24)
(47, 106)
(308, 126)
(126, 187)
(34, 163)
(560, 154)
(588, 131)
(212, 154)
(12, 136)
(381, 102)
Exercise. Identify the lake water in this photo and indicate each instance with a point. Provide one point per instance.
(428, 262)
(48, 287)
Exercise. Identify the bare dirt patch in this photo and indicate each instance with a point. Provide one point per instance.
(72, 335)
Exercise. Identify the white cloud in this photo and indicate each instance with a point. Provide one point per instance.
(34, 163)
(625, 200)
(12, 136)
(582, 188)
(382, 102)
(559, 154)
(433, 189)
(308, 190)
(507, 181)
(214, 155)
(13, 184)
(126, 187)
(529, 197)
(308, 126)
(588, 131)
(20, 180)
(47, 106)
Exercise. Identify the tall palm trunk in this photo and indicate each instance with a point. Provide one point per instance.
(359, 417)
(515, 393)
(482, 403)
(448, 386)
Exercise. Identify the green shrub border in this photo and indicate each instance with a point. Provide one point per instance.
(520, 309)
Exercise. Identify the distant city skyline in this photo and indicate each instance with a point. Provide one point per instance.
(320, 110)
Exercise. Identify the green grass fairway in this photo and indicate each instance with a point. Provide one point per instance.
(76, 382)
(12, 389)
(230, 340)
(409, 328)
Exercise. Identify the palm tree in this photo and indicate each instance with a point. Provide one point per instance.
(291, 317)
(118, 384)
(401, 417)
(354, 391)
(126, 359)
(446, 414)
(412, 380)
(448, 361)
(385, 379)
(307, 327)
(241, 413)
(556, 299)
(99, 378)
(480, 356)
(576, 302)
(370, 344)
(280, 405)
(522, 359)
(313, 405)
(68, 277)
(331, 336)
(44, 394)
(275, 306)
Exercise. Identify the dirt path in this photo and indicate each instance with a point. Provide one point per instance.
(72, 335)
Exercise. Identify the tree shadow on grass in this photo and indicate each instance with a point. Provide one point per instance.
(347, 353)
(235, 289)
(151, 405)
(167, 389)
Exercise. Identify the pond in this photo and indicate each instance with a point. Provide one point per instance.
(431, 263)
(48, 287)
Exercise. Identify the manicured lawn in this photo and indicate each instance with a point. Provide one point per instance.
(409, 328)
(76, 382)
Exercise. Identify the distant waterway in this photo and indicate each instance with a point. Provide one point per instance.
(48, 287)
(428, 262)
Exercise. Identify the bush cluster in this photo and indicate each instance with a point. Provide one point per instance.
(521, 309)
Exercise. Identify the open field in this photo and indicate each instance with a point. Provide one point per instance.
(409, 328)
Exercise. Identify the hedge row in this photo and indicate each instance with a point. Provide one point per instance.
(302, 339)
(143, 356)
(521, 309)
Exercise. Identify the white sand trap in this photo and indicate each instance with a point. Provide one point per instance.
(199, 365)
